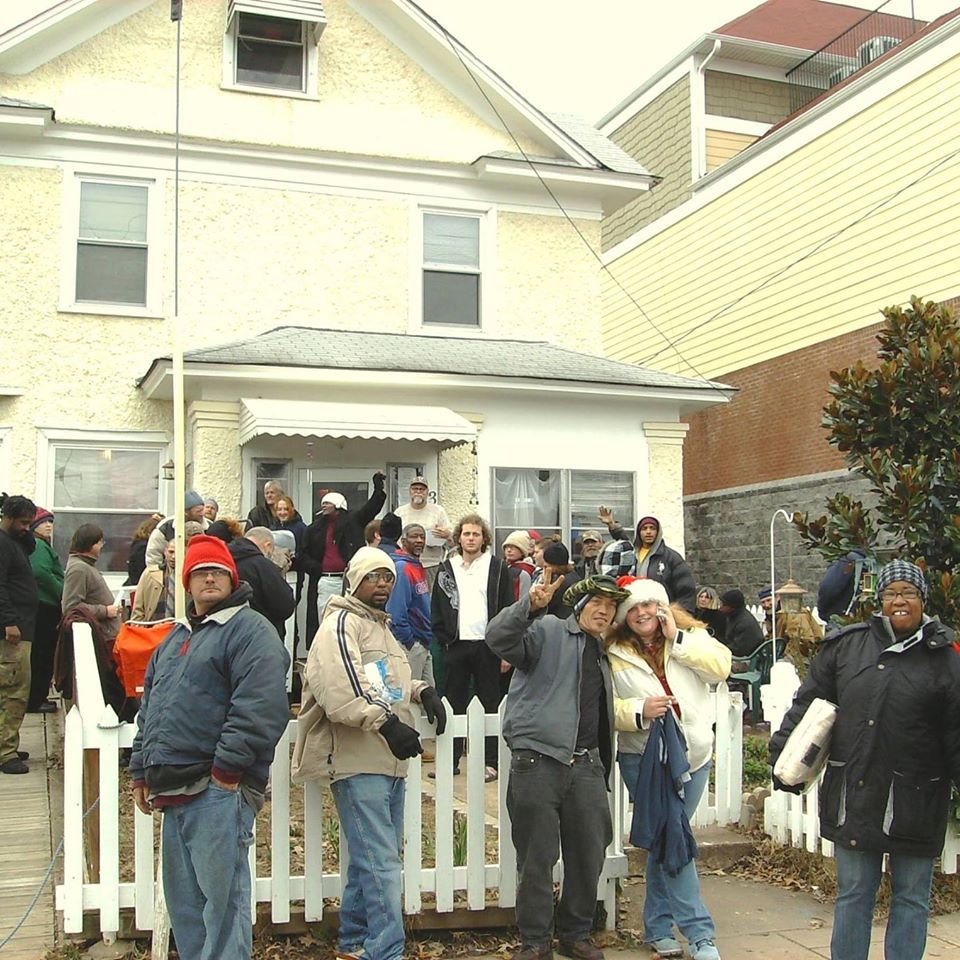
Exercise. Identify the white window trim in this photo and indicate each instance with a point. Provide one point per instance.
(6, 458)
(50, 437)
(69, 234)
(487, 217)
(311, 68)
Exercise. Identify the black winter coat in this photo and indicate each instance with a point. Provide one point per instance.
(896, 739)
(744, 634)
(18, 586)
(445, 602)
(668, 567)
(348, 535)
(272, 595)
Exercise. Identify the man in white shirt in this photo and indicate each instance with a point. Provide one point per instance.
(431, 516)
(472, 587)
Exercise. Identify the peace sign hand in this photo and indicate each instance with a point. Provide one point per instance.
(542, 593)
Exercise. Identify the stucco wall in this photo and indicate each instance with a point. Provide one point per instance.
(808, 248)
(373, 99)
(77, 371)
(659, 136)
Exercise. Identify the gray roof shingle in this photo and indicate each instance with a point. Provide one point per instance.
(361, 350)
(25, 104)
(598, 145)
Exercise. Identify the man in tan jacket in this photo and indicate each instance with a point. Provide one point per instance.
(357, 729)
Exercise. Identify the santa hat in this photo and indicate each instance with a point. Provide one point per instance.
(641, 590)
(204, 551)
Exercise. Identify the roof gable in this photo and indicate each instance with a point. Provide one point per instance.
(67, 24)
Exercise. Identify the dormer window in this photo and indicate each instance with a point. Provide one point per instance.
(271, 46)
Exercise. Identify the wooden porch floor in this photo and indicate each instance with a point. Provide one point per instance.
(25, 840)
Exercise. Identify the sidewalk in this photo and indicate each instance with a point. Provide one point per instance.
(757, 921)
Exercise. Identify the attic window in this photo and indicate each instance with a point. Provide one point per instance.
(271, 45)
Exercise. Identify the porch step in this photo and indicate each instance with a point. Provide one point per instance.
(720, 847)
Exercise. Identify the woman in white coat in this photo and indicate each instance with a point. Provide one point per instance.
(662, 659)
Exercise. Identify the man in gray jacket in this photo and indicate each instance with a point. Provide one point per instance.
(558, 724)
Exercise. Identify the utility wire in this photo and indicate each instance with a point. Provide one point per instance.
(454, 46)
(813, 250)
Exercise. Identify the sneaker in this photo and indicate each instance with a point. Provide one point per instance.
(489, 774)
(705, 950)
(667, 948)
(580, 950)
(16, 765)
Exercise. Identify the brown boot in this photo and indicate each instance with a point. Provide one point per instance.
(534, 951)
(580, 950)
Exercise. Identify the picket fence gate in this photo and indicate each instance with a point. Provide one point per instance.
(92, 726)
(794, 820)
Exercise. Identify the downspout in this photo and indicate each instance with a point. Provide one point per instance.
(701, 130)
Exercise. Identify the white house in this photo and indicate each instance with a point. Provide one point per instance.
(386, 260)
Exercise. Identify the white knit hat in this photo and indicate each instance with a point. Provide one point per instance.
(521, 540)
(364, 561)
(642, 590)
(337, 499)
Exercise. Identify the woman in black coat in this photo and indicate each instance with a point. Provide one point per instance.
(894, 751)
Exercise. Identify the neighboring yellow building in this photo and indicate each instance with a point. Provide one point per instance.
(772, 273)
(341, 173)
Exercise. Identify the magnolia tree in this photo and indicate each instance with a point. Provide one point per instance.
(898, 423)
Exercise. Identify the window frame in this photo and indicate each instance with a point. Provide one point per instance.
(566, 500)
(485, 215)
(70, 239)
(49, 440)
(311, 59)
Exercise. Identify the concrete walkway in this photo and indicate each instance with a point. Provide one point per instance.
(757, 921)
(25, 838)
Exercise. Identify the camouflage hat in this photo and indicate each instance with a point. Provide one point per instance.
(598, 586)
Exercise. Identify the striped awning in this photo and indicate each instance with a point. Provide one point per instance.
(372, 421)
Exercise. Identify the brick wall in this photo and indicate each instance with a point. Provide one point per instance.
(659, 137)
(771, 429)
(747, 98)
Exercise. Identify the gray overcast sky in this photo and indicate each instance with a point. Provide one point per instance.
(571, 56)
(575, 57)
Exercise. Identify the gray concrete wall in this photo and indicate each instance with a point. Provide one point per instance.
(728, 531)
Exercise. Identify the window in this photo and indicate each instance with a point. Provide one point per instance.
(558, 501)
(276, 470)
(271, 52)
(113, 486)
(270, 46)
(111, 237)
(451, 269)
(112, 243)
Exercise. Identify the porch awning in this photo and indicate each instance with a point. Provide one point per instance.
(371, 421)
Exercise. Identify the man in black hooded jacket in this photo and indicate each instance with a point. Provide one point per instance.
(272, 595)
(335, 535)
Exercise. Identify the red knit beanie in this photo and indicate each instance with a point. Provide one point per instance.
(204, 551)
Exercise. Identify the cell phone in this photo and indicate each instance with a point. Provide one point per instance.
(661, 613)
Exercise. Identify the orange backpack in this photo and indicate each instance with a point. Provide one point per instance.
(132, 651)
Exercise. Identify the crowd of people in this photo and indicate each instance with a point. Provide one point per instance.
(602, 661)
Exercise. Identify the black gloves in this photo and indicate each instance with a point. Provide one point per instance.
(403, 741)
(434, 709)
(778, 784)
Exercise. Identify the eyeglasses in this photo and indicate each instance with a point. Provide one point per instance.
(379, 576)
(216, 572)
(908, 593)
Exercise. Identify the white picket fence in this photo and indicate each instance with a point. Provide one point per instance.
(92, 726)
(793, 819)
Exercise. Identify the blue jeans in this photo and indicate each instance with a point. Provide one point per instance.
(676, 899)
(858, 876)
(370, 807)
(206, 875)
